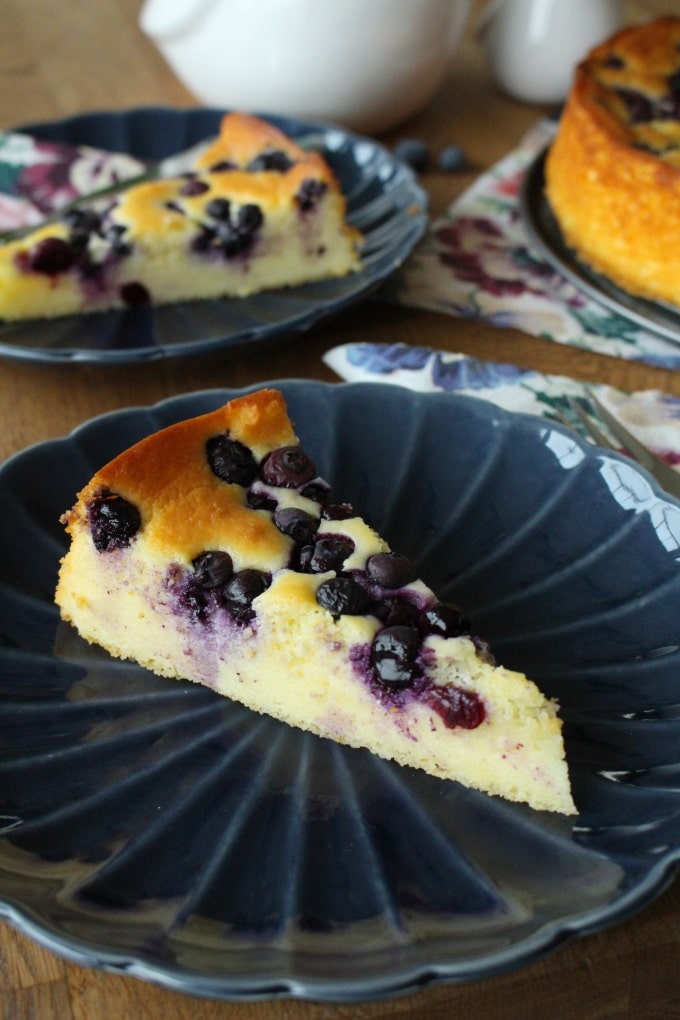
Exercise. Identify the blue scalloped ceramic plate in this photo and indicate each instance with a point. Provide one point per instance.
(153, 827)
(384, 201)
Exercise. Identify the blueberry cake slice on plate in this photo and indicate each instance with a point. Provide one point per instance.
(212, 551)
(255, 212)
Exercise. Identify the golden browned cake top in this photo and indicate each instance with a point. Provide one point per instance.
(163, 208)
(243, 138)
(250, 144)
(630, 84)
(184, 507)
(251, 162)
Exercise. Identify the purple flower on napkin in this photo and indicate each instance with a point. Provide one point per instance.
(444, 371)
(380, 359)
(470, 374)
(37, 177)
(47, 185)
(651, 415)
(476, 249)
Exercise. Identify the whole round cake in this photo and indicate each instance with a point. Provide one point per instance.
(613, 171)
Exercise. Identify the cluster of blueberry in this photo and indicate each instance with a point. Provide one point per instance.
(232, 233)
(53, 255)
(381, 588)
(271, 159)
(226, 232)
(642, 109)
(229, 233)
(275, 160)
(215, 584)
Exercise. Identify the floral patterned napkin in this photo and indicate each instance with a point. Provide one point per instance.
(38, 177)
(476, 261)
(652, 416)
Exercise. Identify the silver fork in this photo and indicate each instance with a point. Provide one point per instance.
(596, 419)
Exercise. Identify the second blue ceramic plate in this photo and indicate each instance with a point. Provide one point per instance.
(384, 201)
(153, 827)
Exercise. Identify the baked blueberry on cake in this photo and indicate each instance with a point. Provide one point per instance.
(613, 172)
(213, 551)
(255, 212)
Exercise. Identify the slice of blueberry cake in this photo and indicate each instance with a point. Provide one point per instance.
(212, 551)
(256, 212)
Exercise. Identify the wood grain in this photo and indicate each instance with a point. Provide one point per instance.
(56, 60)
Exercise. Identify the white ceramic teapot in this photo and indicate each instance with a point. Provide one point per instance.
(366, 64)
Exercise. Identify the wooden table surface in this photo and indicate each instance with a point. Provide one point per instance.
(91, 55)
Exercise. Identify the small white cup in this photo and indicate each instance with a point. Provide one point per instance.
(367, 64)
(533, 46)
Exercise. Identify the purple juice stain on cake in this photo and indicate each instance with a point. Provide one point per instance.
(456, 707)
(211, 590)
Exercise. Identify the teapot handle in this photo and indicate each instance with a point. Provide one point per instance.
(163, 19)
